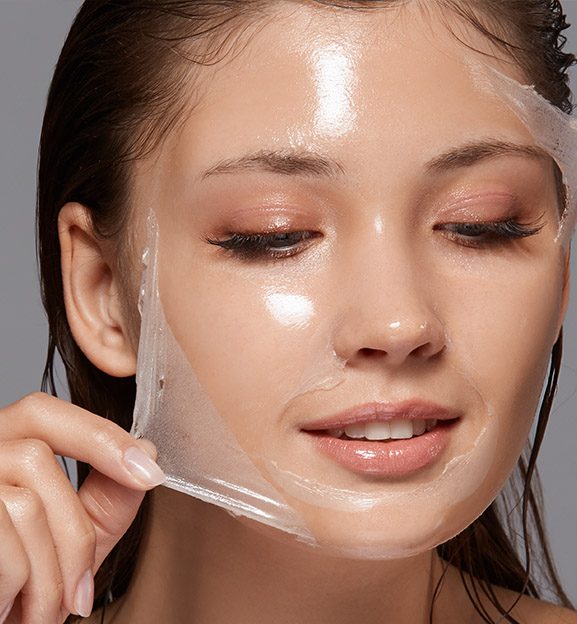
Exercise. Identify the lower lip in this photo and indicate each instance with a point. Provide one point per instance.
(387, 458)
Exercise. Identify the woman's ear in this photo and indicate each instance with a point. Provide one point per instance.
(92, 295)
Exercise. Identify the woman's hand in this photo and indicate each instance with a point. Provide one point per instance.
(52, 539)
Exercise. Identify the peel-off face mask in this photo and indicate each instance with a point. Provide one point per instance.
(202, 456)
(199, 453)
(345, 332)
(553, 130)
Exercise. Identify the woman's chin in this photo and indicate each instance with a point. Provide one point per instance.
(366, 535)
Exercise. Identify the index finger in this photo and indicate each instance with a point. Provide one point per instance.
(77, 433)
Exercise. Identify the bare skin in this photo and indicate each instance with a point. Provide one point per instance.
(261, 581)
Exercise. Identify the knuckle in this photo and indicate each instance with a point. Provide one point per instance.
(108, 433)
(34, 452)
(34, 402)
(26, 505)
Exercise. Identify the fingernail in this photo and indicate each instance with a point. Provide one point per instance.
(84, 597)
(6, 612)
(142, 467)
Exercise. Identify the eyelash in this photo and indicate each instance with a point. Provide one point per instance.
(256, 246)
(490, 234)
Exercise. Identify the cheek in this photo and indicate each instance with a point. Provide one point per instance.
(503, 331)
(248, 343)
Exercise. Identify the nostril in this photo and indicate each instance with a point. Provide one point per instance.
(429, 350)
(372, 353)
(425, 351)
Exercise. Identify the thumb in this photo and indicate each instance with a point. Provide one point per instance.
(111, 507)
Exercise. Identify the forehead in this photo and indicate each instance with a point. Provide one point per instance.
(390, 83)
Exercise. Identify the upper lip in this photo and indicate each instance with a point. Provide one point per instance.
(374, 412)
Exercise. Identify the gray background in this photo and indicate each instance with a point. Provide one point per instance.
(31, 35)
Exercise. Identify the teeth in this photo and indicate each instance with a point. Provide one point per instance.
(378, 431)
(419, 427)
(356, 431)
(385, 430)
(401, 429)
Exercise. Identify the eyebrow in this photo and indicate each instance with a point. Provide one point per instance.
(475, 152)
(290, 163)
(313, 164)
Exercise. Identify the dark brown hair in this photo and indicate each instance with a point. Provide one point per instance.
(118, 89)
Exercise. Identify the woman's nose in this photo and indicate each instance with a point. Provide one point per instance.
(390, 315)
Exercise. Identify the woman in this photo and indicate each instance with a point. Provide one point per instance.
(339, 158)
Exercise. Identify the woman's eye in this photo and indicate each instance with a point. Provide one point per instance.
(274, 245)
(254, 246)
(488, 234)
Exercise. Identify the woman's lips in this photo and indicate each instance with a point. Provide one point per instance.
(370, 412)
(387, 457)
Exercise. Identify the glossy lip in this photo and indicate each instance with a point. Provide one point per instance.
(375, 412)
(391, 458)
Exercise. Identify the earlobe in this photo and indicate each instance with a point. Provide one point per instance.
(92, 296)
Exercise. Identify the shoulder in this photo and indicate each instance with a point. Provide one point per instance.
(533, 611)
(527, 610)
(541, 612)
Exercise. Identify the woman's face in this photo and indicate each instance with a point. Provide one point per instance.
(362, 139)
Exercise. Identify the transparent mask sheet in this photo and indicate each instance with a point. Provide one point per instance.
(552, 129)
(209, 451)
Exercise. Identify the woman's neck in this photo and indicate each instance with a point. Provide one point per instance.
(200, 565)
